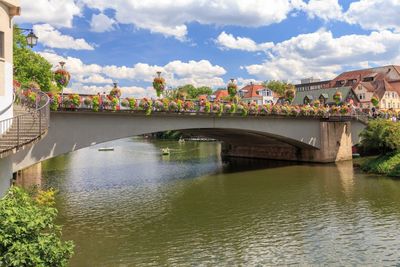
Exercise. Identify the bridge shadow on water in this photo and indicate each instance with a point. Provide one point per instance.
(233, 164)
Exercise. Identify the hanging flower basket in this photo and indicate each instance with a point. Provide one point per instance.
(159, 84)
(189, 106)
(159, 105)
(115, 92)
(232, 89)
(75, 101)
(337, 97)
(375, 101)
(55, 100)
(242, 109)
(253, 109)
(316, 103)
(62, 78)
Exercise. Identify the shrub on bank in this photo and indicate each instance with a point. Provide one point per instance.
(380, 137)
(388, 164)
(28, 235)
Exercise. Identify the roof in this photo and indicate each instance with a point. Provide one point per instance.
(203, 97)
(250, 91)
(327, 93)
(220, 93)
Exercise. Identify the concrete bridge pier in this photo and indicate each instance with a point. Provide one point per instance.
(336, 144)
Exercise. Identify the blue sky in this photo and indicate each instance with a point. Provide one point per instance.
(208, 42)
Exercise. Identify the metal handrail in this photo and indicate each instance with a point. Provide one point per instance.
(24, 129)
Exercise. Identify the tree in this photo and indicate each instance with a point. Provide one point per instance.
(28, 235)
(30, 66)
(191, 92)
(381, 136)
(278, 87)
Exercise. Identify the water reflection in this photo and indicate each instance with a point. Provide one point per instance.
(133, 207)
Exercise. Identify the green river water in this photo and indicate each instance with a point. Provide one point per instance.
(134, 207)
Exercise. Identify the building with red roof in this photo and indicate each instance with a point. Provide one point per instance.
(258, 93)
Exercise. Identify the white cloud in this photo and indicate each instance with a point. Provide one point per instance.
(50, 37)
(198, 73)
(101, 23)
(321, 55)
(131, 91)
(324, 9)
(228, 41)
(59, 13)
(170, 17)
(375, 14)
(94, 78)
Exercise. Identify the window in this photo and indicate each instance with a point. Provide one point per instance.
(1, 44)
(361, 96)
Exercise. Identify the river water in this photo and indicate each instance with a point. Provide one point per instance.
(134, 207)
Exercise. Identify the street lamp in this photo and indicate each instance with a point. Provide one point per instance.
(31, 38)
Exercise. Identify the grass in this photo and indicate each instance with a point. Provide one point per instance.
(388, 164)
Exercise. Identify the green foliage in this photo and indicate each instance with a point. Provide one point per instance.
(29, 66)
(190, 92)
(388, 164)
(278, 87)
(28, 235)
(381, 136)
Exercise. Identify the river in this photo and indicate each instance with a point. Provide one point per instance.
(134, 207)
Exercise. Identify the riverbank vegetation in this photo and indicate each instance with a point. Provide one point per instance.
(381, 138)
(28, 234)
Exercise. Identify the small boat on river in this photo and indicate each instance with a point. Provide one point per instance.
(165, 151)
(106, 149)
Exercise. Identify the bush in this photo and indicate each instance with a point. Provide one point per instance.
(28, 235)
(388, 164)
(380, 136)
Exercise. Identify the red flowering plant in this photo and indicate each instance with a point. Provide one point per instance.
(294, 111)
(344, 110)
(75, 101)
(62, 77)
(125, 103)
(173, 106)
(114, 103)
(230, 108)
(159, 84)
(286, 110)
(232, 88)
(253, 108)
(55, 100)
(334, 110)
(265, 109)
(305, 111)
(145, 105)
(158, 105)
(188, 106)
(243, 109)
(218, 109)
(275, 110)
(322, 111)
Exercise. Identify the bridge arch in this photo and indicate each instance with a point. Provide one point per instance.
(302, 137)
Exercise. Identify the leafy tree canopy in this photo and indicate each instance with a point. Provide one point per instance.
(30, 66)
(28, 235)
(381, 136)
(189, 91)
(278, 87)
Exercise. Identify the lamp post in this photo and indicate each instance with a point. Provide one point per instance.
(31, 38)
(62, 63)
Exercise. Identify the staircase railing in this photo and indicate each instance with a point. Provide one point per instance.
(25, 128)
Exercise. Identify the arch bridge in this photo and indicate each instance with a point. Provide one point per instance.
(307, 139)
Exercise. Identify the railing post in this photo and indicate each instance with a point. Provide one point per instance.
(18, 126)
(40, 122)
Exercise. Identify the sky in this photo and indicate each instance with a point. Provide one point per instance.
(208, 42)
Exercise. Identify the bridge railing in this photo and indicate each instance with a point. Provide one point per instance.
(29, 123)
(217, 109)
